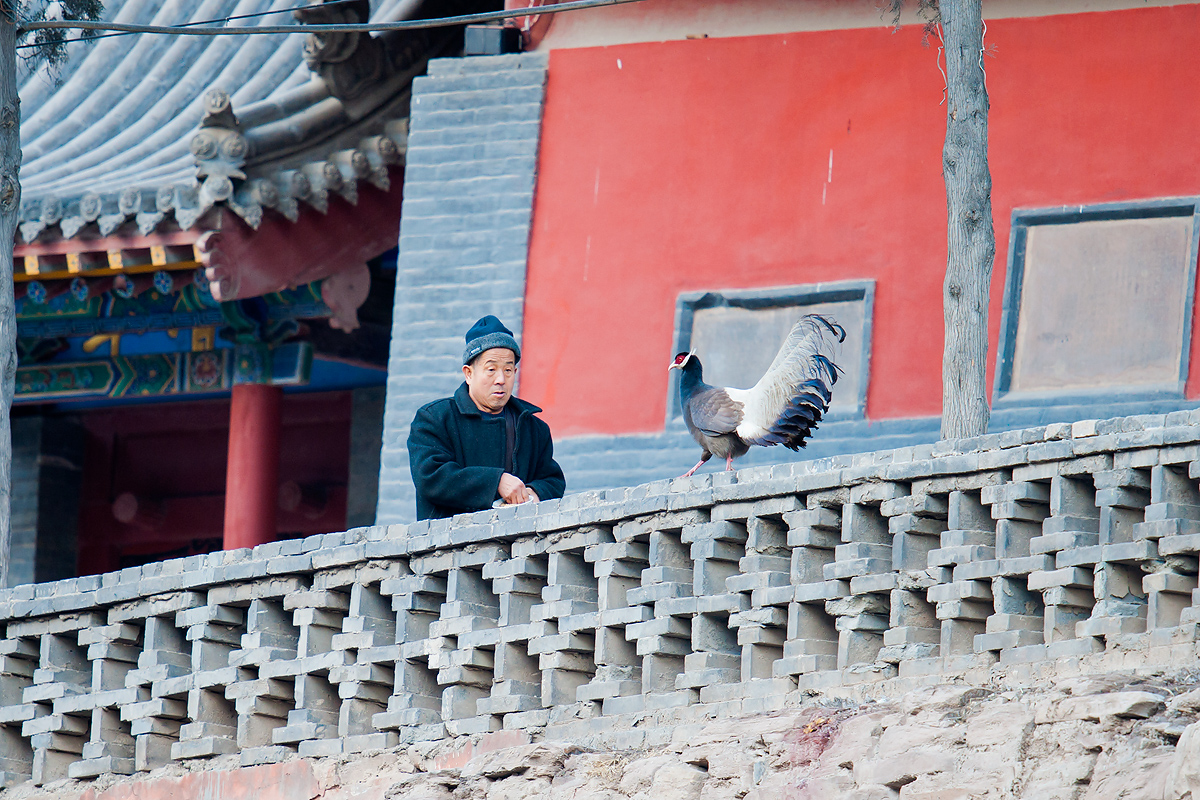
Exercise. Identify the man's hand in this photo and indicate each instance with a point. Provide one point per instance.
(514, 491)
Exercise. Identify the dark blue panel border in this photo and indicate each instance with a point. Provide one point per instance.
(1022, 221)
(777, 297)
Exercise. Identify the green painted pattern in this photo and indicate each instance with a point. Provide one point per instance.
(84, 379)
(167, 374)
(146, 375)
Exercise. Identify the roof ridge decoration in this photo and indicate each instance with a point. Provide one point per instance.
(349, 63)
(219, 148)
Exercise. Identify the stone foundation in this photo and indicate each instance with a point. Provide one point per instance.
(1123, 735)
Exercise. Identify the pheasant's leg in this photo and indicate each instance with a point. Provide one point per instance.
(699, 464)
(729, 463)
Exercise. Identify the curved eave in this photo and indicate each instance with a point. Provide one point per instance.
(109, 149)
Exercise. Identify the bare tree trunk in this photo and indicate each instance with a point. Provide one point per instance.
(971, 238)
(10, 202)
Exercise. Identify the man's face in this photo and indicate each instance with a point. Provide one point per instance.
(490, 378)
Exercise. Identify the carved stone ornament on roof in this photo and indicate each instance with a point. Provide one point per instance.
(139, 204)
(295, 188)
(148, 221)
(130, 201)
(219, 146)
(349, 63)
(191, 202)
(109, 215)
(30, 229)
(322, 178)
(223, 279)
(90, 207)
(251, 198)
(220, 150)
(52, 209)
(87, 209)
(156, 210)
(71, 225)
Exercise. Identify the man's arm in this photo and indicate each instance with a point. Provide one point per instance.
(549, 482)
(438, 477)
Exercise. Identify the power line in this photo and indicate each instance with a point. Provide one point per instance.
(365, 27)
(326, 4)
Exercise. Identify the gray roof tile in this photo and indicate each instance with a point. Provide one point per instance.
(110, 136)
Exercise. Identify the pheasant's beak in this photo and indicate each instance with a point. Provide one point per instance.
(673, 366)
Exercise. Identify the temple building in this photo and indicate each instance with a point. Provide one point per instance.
(205, 269)
(209, 274)
(663, 176)
(216, 265)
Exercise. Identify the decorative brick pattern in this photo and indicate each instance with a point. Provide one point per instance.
(615, 616)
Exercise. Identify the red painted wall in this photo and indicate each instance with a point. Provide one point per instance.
(704, 164)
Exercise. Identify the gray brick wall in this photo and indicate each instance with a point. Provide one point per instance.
(47, 455)
(26, 437)
(603, 462)
(464, 235)
(366, 436)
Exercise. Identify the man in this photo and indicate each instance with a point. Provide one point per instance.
(482, 444)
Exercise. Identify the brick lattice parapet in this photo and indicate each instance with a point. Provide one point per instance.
(618, 615)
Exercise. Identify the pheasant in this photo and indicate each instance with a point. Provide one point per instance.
(784, 407)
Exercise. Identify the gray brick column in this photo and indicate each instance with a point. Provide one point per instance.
(464, 235)
(47, 458)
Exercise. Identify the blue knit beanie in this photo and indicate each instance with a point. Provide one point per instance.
(487, 333)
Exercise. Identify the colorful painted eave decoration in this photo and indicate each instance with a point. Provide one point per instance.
(160, 307)
(166, 374)
(189, 343)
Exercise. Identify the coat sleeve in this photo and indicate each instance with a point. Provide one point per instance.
(438, 477)
(548, 482)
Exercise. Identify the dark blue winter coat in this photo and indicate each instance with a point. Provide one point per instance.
(457, 455)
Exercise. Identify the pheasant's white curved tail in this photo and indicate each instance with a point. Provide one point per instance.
(793, 395)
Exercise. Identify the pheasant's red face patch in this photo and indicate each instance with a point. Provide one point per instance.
(680, 359)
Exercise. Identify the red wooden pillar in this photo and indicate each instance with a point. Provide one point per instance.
(252, 472)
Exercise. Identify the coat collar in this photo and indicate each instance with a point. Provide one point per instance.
(462, 399)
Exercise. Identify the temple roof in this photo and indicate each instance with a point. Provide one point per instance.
(146, 133)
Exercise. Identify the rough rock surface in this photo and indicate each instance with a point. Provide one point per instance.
(1135, 737)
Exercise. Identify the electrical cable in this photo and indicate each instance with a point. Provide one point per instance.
(365, 27)
(326, 4)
